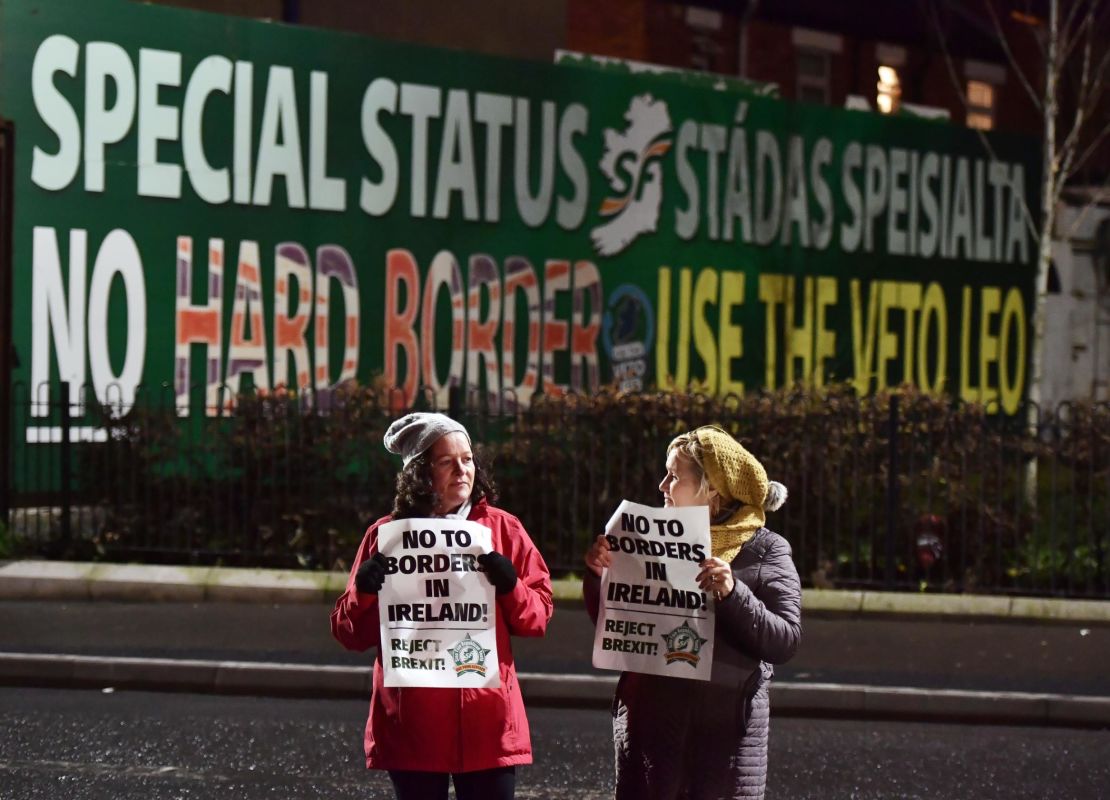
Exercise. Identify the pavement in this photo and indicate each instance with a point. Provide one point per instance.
(982, 659)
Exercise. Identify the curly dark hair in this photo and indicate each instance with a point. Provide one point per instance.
(415, 496)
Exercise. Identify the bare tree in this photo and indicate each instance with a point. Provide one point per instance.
(1073, 43)
(1068, 46)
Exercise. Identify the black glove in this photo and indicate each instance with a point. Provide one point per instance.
(499, 570)
(371, 575)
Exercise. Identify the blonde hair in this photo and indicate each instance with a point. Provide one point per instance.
(688, 448)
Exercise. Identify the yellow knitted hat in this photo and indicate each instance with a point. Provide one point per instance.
(735, 473)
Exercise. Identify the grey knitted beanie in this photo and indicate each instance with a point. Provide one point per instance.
(414, 433)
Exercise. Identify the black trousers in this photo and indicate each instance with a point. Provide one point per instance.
(486, 784)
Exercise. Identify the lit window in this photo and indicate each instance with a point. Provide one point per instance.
(980, 105)
(889, 90)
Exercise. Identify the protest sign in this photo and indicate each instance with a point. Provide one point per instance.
(653, 617)
(437, 613)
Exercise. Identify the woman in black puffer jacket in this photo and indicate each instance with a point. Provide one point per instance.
(678, 738)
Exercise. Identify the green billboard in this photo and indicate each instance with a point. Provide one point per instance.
(204, 202)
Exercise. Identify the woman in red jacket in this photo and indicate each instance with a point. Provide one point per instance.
(425, 737)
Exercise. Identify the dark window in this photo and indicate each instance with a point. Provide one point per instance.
(813, 77)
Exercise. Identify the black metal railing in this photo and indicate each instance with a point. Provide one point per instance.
(895, 491)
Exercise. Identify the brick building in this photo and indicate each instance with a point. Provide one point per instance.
(880, 54)
(860, 53)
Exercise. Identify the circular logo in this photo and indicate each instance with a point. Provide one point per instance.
(469, 656)
(628, 324)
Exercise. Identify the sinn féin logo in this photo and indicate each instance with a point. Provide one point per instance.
(630, 162)
(683, 644)
(469, 657)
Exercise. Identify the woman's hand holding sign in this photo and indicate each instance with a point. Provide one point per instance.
(371, 575)
(499, 570)
(598, 557)
(716, 576)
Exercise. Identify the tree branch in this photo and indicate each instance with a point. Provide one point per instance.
(1026, 213)
(955, 78)
(1098, 79)
(1103, 191)
(1071, 141)
(1067, 38)
(1091, 149)
(1073, 12)
(952, 74)
(1010, 57)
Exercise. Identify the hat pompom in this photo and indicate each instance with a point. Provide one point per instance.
(776, 496)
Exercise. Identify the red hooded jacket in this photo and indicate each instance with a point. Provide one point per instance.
(452, 730)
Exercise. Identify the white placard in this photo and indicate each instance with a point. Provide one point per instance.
(437, 612)
(652, 616)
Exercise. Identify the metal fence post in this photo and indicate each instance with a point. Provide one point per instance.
(65, 473)
(891, 490)
(8, 357)
(455, 402)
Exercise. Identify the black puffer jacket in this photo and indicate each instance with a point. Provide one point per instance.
(683, 738)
